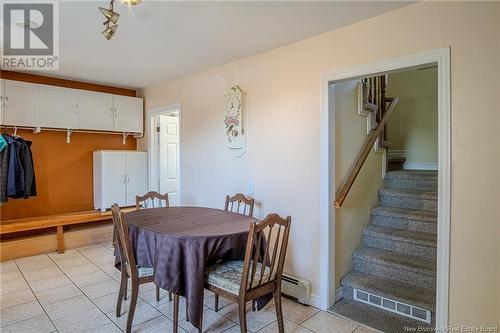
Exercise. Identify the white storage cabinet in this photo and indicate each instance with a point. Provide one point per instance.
(36, 105)
(119, 175)
(19, 103)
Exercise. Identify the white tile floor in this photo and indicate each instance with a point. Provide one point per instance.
(76, 292)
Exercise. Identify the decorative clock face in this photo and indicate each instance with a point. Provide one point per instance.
(233, 106)
(233, 121)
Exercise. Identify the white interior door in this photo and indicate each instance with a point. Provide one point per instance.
(96, 111)
(58, 107)
(21, 101)
(136, 165)
(169, 157)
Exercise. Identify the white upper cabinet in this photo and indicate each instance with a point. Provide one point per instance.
(58, 107)
(128, 114)
(96, 111)
(2, 97)
(20, 103)
(37, 105)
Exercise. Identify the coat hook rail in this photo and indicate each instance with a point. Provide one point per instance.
(69, 131)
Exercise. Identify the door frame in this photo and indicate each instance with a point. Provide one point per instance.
(440, 57)
(153, 161)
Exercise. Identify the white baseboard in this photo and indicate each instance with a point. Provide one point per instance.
(315, 301)
(420, 166)
(339, 294)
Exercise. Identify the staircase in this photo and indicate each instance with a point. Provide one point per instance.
(393, 281)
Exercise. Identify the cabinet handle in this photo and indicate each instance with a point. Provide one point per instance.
(6, 102)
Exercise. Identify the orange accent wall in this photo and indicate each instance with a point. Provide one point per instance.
(63, 172)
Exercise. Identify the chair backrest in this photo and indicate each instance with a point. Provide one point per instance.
(265, 252)
(151, 200)
(240, 204)
(127, 257)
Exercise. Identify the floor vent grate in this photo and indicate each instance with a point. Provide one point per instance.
(393, 306)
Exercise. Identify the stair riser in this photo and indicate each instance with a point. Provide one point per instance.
(413, 184)
(395, 273)
(348, 292)
(401, 247)
(408, 202)
(404, 223)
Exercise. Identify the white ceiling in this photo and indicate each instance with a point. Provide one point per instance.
(157, 40)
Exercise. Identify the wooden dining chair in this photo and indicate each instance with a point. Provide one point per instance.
(240, 204)
(257, 275)
(151, 199)
(129, 269)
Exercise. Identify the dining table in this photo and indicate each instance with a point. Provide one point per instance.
(180, 242)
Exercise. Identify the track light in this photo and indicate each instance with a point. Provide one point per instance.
(109, 32)
(110, 14)
(112, 17)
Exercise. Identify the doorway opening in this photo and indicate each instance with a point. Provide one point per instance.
(165, 153)
(361, 286)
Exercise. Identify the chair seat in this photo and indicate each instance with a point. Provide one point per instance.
(145, 271)
(227, 275)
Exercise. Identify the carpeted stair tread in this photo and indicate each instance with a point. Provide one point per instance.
(415, 264)
(401, 235)
(408, 193)
(413, 174)
(411, 214)
(417, 296)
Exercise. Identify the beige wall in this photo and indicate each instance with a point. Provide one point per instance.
(350, 134)
(414, 124)
(283, 123)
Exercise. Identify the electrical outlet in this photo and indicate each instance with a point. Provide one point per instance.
(250, 189)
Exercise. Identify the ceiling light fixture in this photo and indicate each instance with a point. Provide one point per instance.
(132, 2)
(112, 17)
(109, 32)
(109, 14)
(111, 20)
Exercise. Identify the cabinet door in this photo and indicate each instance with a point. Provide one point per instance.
(2, 98)
(95, 111)
(21, 101)
(137, 175)
(128, 114)
(113, 178)
(58, 107)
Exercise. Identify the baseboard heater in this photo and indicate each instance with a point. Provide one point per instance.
(296, 288)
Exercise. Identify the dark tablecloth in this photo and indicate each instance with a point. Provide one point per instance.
(179, 242)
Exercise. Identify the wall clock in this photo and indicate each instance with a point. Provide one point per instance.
(234, 121)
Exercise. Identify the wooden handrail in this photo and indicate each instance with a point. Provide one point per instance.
(370, 141)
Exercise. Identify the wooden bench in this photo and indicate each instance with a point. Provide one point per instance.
(57, 221)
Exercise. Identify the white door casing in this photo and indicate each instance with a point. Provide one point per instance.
(20, 103)
(58, 107)
(440, 57)
(169, 157)
(96, 111)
